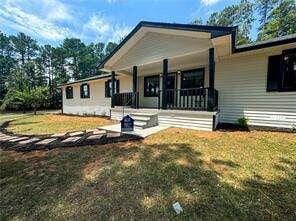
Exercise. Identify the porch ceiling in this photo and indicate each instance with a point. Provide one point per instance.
(185, 62)
(154, 47)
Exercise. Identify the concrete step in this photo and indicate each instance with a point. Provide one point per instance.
(140, 124)
(192, 122)
(140, 118)
(142, 114)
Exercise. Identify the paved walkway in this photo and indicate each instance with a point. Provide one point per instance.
(89, 137)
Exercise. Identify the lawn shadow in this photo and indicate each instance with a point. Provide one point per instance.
(141, 181)
(228, 163)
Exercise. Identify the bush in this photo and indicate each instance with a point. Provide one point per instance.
(243, 122)
(26, 99)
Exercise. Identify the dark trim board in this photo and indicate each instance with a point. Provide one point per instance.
(215, 31)
(87, 79)
(265, 44)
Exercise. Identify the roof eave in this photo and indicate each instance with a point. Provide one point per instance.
(188, 27)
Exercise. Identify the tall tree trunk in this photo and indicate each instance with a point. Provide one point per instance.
(35, 109)
(23, 59)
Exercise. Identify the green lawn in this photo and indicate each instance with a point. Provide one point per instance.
(238, 175)
(49, 123)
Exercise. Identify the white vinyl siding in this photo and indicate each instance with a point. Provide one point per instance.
(241, 83)
(97, 104)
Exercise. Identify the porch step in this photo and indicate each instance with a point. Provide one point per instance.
(144, 120)
(196, 120)
(140, 124)
(140, 118)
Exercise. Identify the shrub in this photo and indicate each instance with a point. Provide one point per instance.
(293, 129)
(243, 122)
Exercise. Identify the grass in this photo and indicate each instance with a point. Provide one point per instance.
(245, 175)
(54, 123)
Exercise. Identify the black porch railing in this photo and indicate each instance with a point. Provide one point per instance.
(128, 99)
(203, 99)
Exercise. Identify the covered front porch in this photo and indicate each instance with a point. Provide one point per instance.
(183, 83)
(168, 67)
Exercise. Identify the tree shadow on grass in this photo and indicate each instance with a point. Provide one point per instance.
(228, 163)
(139, 181)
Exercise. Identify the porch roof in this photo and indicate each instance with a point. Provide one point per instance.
(150, 42)
(97, 77)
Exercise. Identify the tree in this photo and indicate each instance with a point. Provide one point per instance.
(264, 8)
(7, 62)
(39, 97)
(26, 98)
(240, 15)
(24, 46)
(17, 99)
(17, 79)
(197, 21)
(73, 48)
(59, 65)
(281, 21)
(110, 48)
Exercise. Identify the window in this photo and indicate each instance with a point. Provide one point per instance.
(274, 70)
(281, 75)
(84, 91)
(289, 70)
(151, 86)
(193, 78)
(108, 88)
(69, 92)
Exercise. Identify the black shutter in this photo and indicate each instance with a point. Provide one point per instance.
(71, 92)
(81, 91)
(107, 89)
(117, 86)
(88, 91)
(274, 73)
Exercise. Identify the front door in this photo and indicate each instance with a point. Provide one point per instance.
(171, 85)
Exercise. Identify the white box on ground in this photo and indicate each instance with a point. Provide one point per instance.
(177, 207)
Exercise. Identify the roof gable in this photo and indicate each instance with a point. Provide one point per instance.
(212, 31)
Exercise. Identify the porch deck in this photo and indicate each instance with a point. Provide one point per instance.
(198, 120)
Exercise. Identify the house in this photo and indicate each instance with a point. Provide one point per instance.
(192, 76)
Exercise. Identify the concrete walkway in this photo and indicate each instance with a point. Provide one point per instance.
(138, 132)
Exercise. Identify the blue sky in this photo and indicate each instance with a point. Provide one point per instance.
(50, 21)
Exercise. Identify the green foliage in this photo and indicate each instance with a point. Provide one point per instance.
(24, 46)
(240, 15)
(197, 21)
(275, 17)
(264, 8)
(243, 122)
(26, 98)
(282, 21)
(24, 65)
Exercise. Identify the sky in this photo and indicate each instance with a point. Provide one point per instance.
(50, 21)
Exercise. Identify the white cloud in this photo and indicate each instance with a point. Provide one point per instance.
(209, 2)
(56, 10)
(20, 20)
(112, 1)
(54, 21)
(104, 29)
(119, 32)
(98, 24)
